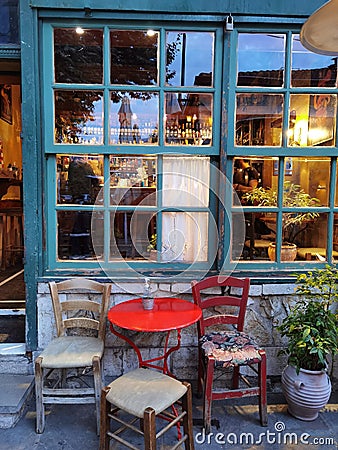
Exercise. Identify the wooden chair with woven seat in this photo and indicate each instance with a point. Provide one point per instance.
(61, 370)
(224, 346)
(145, 395)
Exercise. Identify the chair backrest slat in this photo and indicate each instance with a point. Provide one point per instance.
(221, 300)
(234, 293)
(87, 305)
(87, 311)
(81, 322)
(219, 320)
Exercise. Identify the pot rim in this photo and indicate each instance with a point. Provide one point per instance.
(284, 245)
(308, 371)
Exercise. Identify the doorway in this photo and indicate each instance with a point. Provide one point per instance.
(12, 286)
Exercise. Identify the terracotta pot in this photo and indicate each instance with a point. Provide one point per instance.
(288, 252)
(306, 393)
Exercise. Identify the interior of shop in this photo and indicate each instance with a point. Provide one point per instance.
(12, 290)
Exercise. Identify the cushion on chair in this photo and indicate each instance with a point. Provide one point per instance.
(71, 351)
(142, 388)
(230, 348)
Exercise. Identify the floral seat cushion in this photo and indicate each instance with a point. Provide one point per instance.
(230, 348)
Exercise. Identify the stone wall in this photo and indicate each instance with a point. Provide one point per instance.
(268, 304)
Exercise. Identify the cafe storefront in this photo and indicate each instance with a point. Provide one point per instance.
(134, 121)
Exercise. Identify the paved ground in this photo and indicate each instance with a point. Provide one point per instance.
(72, 427)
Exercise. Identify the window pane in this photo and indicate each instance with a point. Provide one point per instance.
(311, 69)
(80, 178)
(74, 235)
(260, 232)
(312, 120)
(186, 181)
(312, 176)
(259, 119)
(310, 238)
(133, 57)
(261, 59)
(190, 58)
(134, 118)
(188, 119)
(335, 237)
(185, 237)
(131, 234)
(336, 192)
(78, 55)
(78, 117)
(9, 22)
(133, 180)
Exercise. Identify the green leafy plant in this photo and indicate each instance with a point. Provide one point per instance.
(311, 325)
(293, 197)
(152, 243)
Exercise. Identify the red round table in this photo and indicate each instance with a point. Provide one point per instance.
(168, 314)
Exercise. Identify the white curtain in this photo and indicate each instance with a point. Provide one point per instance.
(186, 182)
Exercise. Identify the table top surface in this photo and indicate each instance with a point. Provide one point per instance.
(169, 313)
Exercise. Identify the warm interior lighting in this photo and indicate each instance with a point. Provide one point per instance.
(150, 33)
(79, 30)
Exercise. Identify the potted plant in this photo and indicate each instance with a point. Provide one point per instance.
(311, 328)
(293, 223)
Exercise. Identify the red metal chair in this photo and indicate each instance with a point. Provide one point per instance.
(222, 348)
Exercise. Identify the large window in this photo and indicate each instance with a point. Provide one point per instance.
(138, 122)
(130, 135)
(283, 161)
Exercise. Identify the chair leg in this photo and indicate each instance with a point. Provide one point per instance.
(200, 374)
(97, 389)
(262, 385)
(235, 377)
(208, 394)
(105, 421)
(187, 419)
(40, 409)
(149, 429)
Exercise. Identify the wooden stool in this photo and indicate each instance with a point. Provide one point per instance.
(145, 394)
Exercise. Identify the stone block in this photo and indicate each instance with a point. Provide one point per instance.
(278, 289)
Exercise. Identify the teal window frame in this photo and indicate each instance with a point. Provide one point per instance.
(51, 149)
(231, 151)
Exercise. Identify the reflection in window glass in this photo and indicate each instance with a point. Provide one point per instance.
(310, 237)
(133, 180)
(248, 174)
(74, 239)
(80, 178)
(312, 120)
(133, 56)
(311, 69)
(260, 233)
(9, 22)
(185, 237)
(336, 191)
(189, 58)
(134, 118)
(78, 117)
(308, 177)
(186, 181)
(78, 55)
(259, 119)
(133, 235)
(335, 237)
(261, 59)
(188, 119)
